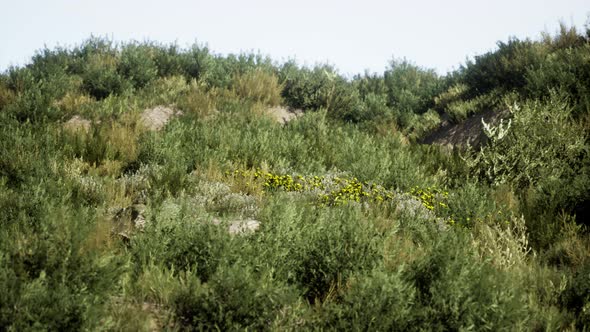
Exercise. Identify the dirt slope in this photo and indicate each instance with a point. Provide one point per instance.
(469, 131)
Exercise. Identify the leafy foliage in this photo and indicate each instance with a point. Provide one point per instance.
(225, 219)
(540, 147)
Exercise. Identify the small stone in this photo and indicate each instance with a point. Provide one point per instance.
(283, 115)
(243, 226)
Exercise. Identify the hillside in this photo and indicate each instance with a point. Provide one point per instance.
(147, 187)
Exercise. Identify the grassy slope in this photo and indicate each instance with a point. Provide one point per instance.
(359, 227)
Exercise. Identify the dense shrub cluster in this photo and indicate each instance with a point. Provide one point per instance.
(337, 220)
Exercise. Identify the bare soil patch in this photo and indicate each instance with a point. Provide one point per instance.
(156, 118)
(78, 123)
(468, 132)
(284, 115)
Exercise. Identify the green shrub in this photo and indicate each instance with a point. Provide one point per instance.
(221, 70)
(317, 249)
(345, 104)
(169, 60)
(37, 97)
(504, 68)
(42, 306)
(455, 291)
(424, 124)
(542, 154)
(165, 91)
(101, 78)
(378, 301)
(176, 238)
(196, 62)
(374, 108)
(197, 102)
(6, 94)
(137, 64)
(107, 141)
(505, 245)
(565, 38)
(513, 153)
(234, 298)
(258, 86)
(567, 70)
(120, 228)
(572, 248)
(320, 87)
(47, 62)
(54, 276)
(91, 46)
(459, 111)
(400, 94)
(452, 94)
(29, 149)
(370, 84)
(411, 89)
(473, 203)
(576, 297)
(73, 103)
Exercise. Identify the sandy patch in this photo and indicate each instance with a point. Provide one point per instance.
(78, 123)
(240, 226)
(156, 118)
(283, 115)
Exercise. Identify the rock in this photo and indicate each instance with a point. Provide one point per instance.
(124, 237)
(156, 118)
(243, 226)
(240, 226)
(128, 220)
(283, 115)
(137, 215)
(78, 123)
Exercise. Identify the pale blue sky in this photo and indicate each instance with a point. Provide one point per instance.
(352, 35)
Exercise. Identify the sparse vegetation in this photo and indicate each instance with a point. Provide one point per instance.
(108, 224)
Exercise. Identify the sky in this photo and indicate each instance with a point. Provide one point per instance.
(354, 36)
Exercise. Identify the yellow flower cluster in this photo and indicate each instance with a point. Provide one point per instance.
(288, 183)
(434, 200)
(332, 191)
(352, 190)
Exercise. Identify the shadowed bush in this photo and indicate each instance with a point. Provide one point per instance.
(57, 276)
(234, 299)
